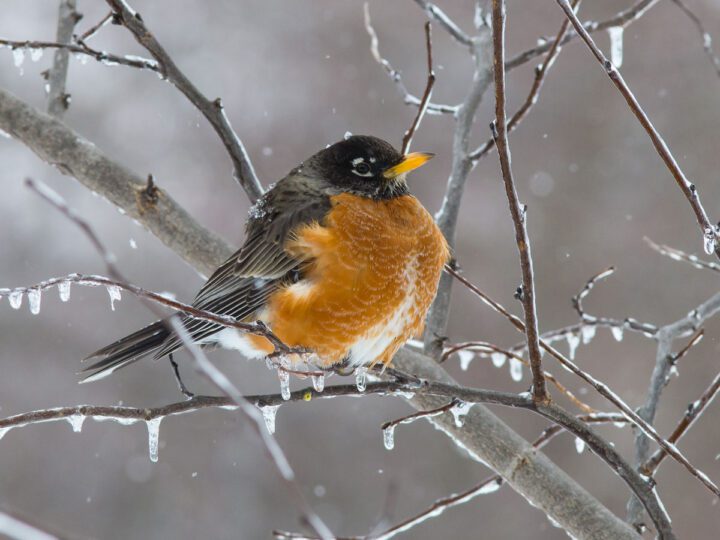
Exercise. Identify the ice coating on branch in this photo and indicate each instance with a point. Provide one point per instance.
(588, 333)
(15, 299)
(318, 382)
(498, 359)
(490, 487)
(459, 412)
(114, 292)
(361, 378)
(709, 241)
(465, 357)
(346, 136)
(4, 430)
(617, 332)
(616, 45)
(36, 54)
(269, 412)
(34, 296)
(573, 340)
(76, 421)
(64, 290)
(153, 427)
(516, 371)
(579, 445)
(389, 437)
(284, 377)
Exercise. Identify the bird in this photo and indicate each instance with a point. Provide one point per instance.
(338, 259)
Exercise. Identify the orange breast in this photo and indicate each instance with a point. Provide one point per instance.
(375, 273)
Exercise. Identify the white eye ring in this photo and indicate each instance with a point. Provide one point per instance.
(361, 168)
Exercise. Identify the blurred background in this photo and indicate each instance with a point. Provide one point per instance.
(294, 77)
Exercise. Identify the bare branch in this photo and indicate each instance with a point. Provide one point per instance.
(407, 138)
(58, 99)
(445, 22)
(579, 297)
(519, 214)
(704, 34)
(709, 231)
(90, 32)
(212, 110)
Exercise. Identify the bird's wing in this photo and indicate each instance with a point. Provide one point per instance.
(241, 286)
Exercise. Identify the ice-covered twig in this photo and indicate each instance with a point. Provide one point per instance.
(518, 212)
(58, 99)
(589, 284)
(407, 138)
(395, 76)
(213, 110)
(598, 385)
(16, 527)
(445, 22)
(709, 231)
(704, 34)
(678, 255)
(90, 32)
(540, 73)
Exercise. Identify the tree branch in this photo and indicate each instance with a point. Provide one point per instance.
(58, 100)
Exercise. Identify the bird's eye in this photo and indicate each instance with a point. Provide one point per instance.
(362, 169)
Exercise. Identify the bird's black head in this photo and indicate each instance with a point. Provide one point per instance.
(365, 166)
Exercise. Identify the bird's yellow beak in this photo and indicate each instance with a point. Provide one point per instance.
(409, 162)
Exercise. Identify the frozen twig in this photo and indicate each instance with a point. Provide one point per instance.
(678, 255)
(708, 230)
(446, 23)
(532, 98)
(704, 34)
(90, 32)
(407, 138)
(212, 110)
(518, 212)
(15, 527)
(58, 99)
(579, 297)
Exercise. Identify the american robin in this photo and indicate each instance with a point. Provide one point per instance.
(338, 258)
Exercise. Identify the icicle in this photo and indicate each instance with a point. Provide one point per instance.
(18, 57)
(616, 45)
(34, 301)
(64, 290)
(459, 412)
(709, 241)
(516, 371)
(389, 437)
(573, 340)
(492, 487)
(318, 382)
(269, 412)
(617, 332)
(114, 292)
(133, 243)
(153, 427)
(15, 299)
(498, 359)
(361, 378)
(76, 421)
(465, 358)
(284, 377)
(4, 430)
(36, 54)
(588, 333)
(579, 445)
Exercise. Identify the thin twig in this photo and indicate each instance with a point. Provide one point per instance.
(519, 215)
(445, 22)
(709, 231)
(58, 99)
(90, 32)
(704, 34)
(407, 138)
(212, 110)
(579, 297)
(679, 255)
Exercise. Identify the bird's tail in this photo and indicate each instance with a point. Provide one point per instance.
(125, 351)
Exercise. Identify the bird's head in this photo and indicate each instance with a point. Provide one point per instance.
(365, 166)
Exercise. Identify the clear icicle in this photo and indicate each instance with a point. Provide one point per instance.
(579, 445)
(465, 358)
(498, 359)
(36, 54)
(389, 437)
(318, 382)
(459, 412)
(284, 377)
(153, 427)
(15, 299)
(617, 332)
(361, 378)
(616, 45)
(4, 430)
(709, 241)
(516, 369)
(34, 296)
(76, 421)
(588, 333)
(64, 290)
(269, 412)
(115, 295)
(18, 57)
(573, 340)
